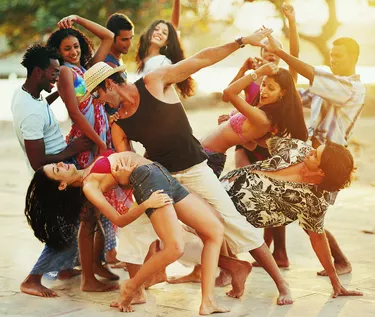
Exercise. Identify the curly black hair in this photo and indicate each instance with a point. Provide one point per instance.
(38, 55)
(53, 214)
(87, 48)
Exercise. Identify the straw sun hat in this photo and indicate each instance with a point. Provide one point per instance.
(96, 74)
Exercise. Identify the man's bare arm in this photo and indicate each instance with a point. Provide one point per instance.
(176, 73)
(35, 151)
(175, 19)
(302, 68)
(119, 139)
(320, 245)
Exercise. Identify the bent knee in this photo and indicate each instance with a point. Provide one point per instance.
(174, 250)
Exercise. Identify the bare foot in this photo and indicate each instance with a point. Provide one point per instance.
(285, 295)
(32, 285)
(156, 278)
(139, 297)
(281, 259)
(193, 277)
(239, 277)
(282, 264)
(341, 269)
(126, 297)
(106, 273)
(119, 265)
(67, 274)
(223, 279)
(111, 256)
(211, 308)
(93, 285)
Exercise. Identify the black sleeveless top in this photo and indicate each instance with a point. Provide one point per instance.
(164, 131)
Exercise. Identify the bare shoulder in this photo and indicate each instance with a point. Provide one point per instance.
(66, 73)
(157, 74)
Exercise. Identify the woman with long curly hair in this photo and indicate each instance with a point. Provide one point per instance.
(88, 116)
(157, 193)
(277, 111)
(160, 45)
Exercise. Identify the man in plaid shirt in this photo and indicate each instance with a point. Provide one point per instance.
(336, 101)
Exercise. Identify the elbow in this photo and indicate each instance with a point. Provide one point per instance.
(226, 94)
(224, 97)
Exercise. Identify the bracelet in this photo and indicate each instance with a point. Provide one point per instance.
(239, 41)
(253, 74)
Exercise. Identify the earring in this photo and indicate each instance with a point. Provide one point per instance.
(166, 47)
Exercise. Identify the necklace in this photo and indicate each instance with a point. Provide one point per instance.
(38, 99)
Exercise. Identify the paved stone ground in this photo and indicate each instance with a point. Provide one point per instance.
(353, 212)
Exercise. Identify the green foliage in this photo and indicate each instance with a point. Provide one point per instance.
(27, 21)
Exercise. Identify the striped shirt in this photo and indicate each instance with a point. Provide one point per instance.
(336, 102)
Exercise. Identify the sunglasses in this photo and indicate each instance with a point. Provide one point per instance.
(95, 95)
(54, 74)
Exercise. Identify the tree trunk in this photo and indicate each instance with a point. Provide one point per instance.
(328, 29)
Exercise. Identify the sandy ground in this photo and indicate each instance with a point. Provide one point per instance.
(352, 213)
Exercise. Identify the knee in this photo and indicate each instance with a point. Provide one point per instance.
(216, 231)
(174, 250)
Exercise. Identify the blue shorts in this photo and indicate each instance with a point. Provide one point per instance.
(148, 178)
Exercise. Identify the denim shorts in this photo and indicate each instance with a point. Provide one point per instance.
(148, 178)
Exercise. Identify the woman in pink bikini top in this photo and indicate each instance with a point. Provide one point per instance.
(278, 111)
(53, 193)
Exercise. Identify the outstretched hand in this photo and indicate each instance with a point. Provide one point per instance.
(288, 11)
(342, 291)
(158, 200)
(122, 170)
(256, 38)
(273, 46)
(67, 22)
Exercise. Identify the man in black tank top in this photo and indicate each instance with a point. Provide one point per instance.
(152, 114)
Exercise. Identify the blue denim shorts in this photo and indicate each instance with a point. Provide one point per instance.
(148, 178)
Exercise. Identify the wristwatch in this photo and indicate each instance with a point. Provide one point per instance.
(253, 74)
(239, 41)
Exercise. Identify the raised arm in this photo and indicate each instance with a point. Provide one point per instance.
(105, 35)
(253, 114)
(176, 73)
(321, 248)
(302, 68)
(175, 19)
(289, 12)
(248, 64)
(65, 87)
